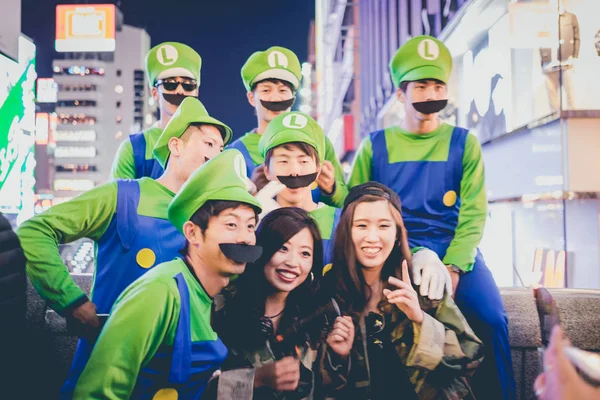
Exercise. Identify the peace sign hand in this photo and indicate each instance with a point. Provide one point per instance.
(405, 297)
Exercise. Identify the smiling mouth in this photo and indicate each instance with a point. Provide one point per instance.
(286, 276)
(371, 251)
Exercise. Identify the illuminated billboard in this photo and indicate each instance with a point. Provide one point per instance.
(78, 185)
(47, 90)
(42, 128)
(75, 152)
(85, 27)
(17, 132)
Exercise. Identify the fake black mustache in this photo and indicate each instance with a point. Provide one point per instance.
(300, 181)
(430, 107)
(278, 105)
(241, 253)
(175, 99)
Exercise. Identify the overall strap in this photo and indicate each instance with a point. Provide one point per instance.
(329, 245)
(128, 198)
(454, 170)
(138, 143)
(336, 220)
(156, 170)
(181, 361)
(380, 156)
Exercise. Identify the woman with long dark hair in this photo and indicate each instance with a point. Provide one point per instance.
(275, 292)
(406, 346)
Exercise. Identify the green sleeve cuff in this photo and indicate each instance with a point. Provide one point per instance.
(416, 249)
(337, 197)
(460, 264)
(66, 312)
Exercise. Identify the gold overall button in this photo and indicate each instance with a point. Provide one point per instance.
(145, 258)
(166, 394)
(450, 198)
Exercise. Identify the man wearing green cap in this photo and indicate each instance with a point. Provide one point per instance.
(127, 219)
(437, 170)
(293, 147)
(173, 74)
(158, 342)
(271, 79)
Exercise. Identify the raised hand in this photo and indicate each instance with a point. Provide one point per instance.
(85, 315)
(326, 179)
(282, 375)
(405, 297)
(341, 338)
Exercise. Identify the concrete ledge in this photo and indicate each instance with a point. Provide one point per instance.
(523, 320)
(579, 311)
(580, 316)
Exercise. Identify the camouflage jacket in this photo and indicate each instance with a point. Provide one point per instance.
(438, 356)
(236, 379)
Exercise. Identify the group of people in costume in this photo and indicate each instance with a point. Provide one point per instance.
(215, 259)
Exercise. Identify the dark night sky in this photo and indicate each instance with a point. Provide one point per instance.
(223, 32)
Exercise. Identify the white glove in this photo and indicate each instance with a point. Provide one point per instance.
(266, 197)
(430, 274)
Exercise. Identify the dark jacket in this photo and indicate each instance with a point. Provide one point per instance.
(250, 347)
(12, 306)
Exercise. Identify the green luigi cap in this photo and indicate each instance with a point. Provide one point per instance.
(293, 127)
(172, 59)
(274, 63)
(191, 111)
(423, 57)
(223, 177)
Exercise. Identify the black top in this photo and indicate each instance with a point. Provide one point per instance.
(389, 379)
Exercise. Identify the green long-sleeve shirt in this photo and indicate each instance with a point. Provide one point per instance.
(124, 165)
(324, 215)
(336, 199)
(405, 146)
(143, 319)
(85, 216)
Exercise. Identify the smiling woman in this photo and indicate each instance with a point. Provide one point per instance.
(275, 292)
(402, 340)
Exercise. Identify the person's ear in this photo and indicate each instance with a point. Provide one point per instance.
(268, 174)
(251, 100)
(192, 233)
(175, 146)
(400, 95)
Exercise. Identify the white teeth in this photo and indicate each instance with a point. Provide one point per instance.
(371, 250)
(288, 275)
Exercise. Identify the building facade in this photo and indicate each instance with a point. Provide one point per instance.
(102, 99)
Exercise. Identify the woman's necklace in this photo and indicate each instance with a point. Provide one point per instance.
(267, 325)
(276, 315)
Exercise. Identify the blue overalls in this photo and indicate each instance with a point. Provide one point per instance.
(131, 245)
(329, 244)
(150, 168)
(430, 196)
(250, 166)
(183, 370)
